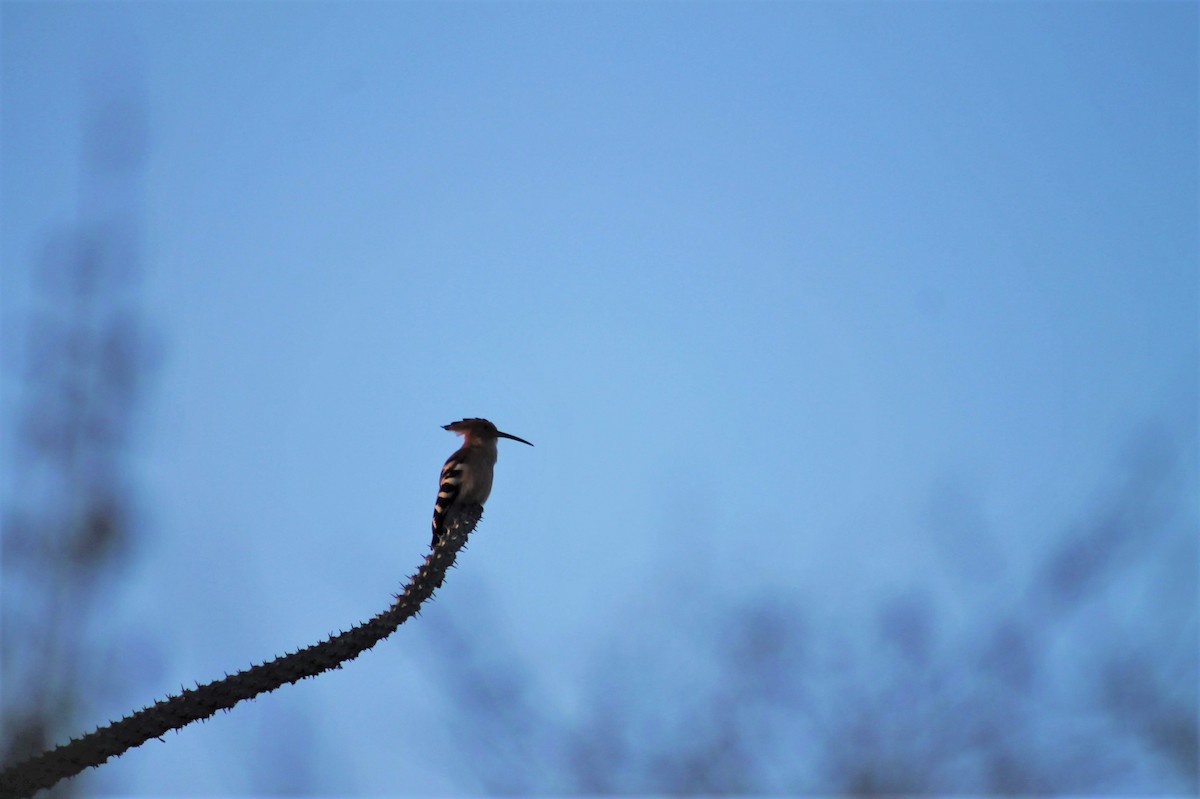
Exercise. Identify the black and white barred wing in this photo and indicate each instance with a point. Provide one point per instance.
(448, 488)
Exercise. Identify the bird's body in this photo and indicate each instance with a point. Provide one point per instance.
(467, 474)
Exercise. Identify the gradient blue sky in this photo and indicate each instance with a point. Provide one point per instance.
(750, 276)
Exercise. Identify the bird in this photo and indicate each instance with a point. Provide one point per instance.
(467, 474)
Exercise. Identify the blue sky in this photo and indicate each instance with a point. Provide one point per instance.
(748, 275)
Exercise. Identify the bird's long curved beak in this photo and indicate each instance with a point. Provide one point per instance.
(514, 438)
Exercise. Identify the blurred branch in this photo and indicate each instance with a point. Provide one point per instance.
(175, 712)
(1116, 532)
(70, 509)
(505, 721)
(1144, 699)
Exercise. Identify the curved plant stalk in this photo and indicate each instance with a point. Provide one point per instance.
(45, 770)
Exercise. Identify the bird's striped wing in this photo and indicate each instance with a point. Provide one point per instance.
(448, 488)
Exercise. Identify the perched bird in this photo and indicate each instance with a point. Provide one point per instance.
(467, 474)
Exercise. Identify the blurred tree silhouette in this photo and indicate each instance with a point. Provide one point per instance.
(1081, 678)
(69, 516)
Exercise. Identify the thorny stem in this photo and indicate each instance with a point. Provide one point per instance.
(45, 770)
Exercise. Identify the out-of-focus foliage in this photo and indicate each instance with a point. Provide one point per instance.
(69, 516)
(1079, 677)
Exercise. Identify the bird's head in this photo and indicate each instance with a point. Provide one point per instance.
(479, 429)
